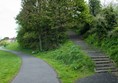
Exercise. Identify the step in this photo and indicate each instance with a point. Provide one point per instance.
(102, 62)
(104, 65)
(100, 59)
(91, 51)
(93, 57)
(103, 68)
(103, 71)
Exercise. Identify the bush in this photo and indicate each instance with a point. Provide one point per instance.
(113, 33)
(4, 43)
(103, 23)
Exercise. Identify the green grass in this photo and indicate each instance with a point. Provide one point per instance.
(9, 66)
(68, 61)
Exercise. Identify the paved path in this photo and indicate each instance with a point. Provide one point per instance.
(34, 70)
(92, 52)
(99, 78)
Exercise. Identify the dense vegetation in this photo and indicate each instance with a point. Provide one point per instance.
(9, 66)
(43, 23)
(94, 6)
(68, 60)
(103, 31)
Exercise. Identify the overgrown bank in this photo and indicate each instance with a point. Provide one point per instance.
(68, 60)
(108, 45)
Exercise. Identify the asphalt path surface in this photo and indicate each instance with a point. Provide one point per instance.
(34, 70)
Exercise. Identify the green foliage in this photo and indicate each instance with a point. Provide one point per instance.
(9, 66)
(95, 7)
(92, 12)
(113, 33)
(71, 56)
(110, 17)
(14, 46)
(43, 23)
(99, 27)
(4, 43)
(103, 23)
(81, 17)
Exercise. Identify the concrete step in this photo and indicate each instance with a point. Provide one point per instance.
(100, 59)
(104, 68)
(96, 57)
(104, 71)
(103, 62)
(104, 65)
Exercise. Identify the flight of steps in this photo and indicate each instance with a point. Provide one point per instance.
(103, 64)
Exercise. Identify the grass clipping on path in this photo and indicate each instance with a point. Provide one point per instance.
(69, 62)
(9, 66)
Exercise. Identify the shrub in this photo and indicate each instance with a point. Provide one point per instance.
(4, 43)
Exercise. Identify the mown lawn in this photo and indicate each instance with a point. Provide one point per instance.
(9, 66)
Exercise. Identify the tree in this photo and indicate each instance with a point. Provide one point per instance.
(80, 16)
(95, 7)
(104, 23)
(42, 24)
(110, 17)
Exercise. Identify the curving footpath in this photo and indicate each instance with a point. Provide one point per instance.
(34, 70)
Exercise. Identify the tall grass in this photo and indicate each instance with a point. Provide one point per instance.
(71, 55)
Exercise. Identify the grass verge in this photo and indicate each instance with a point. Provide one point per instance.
(9, 66)
(68, 61)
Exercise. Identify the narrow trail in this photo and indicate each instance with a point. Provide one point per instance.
(34, 70)
(106, 71)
